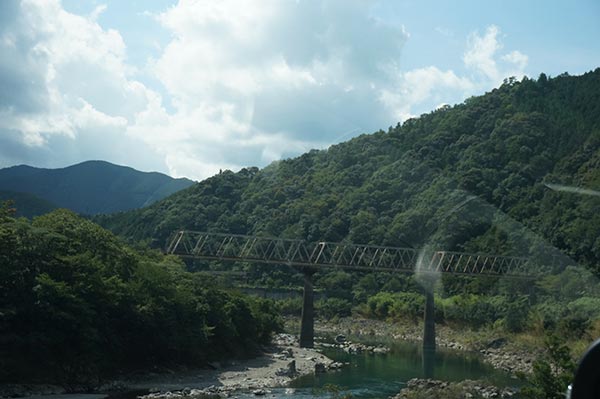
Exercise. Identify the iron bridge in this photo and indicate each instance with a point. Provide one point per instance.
(315, 255)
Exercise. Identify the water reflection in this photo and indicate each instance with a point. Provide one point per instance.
(428, 360)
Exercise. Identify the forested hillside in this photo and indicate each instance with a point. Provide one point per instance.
(484, 175)
(78, 306)
(89, 188)
(29, 204)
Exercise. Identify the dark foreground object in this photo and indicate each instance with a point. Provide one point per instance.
(586, 384)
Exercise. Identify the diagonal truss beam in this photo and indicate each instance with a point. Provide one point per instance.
(298, 253)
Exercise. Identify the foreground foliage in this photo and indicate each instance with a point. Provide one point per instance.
(77, 305)
(552, 372)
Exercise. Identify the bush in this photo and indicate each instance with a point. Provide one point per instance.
(336, 284)
(366, 286)
(474, 310)
(332, 307)
(380, 304)
(550, 312)
(579, 316)
(266, 315)
(552, 372)
(399, 305)
(585, 307)
(290, 306)
(571, 319)
(516, 314)
(408, 305)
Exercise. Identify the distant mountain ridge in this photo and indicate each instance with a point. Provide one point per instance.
(27, 205)
(91, 187)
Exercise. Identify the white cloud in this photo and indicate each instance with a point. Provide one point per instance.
(98, 11)
(481, 57)
(424, 84)
(481, 51)
(430, 85)
(247, 83)
(255, 81)
(518, 59)
(69, 79)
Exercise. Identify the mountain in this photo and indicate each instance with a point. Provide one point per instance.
(90, 187)
(504, 172)
(27, 205)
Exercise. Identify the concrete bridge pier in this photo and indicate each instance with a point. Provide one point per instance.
(429, 317)
(429, 335)
(307, 322)
(429, 324)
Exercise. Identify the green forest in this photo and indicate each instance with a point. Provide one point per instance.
(478, 176)
(78, 306)
(481, 176)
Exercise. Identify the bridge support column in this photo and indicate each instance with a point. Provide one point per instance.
(429, 334)
(429, 324)
(307, 323)
(428, 282)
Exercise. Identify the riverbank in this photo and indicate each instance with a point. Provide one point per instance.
(280, 363)
(419, 388)
(283, 361)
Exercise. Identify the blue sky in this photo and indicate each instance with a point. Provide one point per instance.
(191, 87)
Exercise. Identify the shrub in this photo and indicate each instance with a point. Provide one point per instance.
(474, 310)
(380, 304)
(336, 284)
(332, 307)
(399, 305)
(290, 306)
(552, 372)
(408, 305)
(516, 314)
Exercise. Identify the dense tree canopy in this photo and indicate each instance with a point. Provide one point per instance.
(76, 305)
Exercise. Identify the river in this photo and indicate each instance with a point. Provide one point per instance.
(375, 376)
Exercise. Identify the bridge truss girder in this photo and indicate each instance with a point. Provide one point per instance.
(302, 254)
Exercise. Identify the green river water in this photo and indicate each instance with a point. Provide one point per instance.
(379, 376)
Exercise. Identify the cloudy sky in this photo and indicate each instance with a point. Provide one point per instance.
(190, 87)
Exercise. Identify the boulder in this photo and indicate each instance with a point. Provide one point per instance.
(319, 368)
(288, 371)
(340, 339)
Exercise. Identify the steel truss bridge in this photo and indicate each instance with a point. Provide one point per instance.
(309, 257)
(318, 255)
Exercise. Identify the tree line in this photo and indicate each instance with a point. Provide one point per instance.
(77, 305)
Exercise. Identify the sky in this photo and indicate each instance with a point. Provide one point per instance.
(189, 88)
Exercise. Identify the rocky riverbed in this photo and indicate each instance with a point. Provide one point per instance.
(342, 343)
(278, 365)
(418, 388)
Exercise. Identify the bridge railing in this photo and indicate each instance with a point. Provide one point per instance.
(298, 253)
